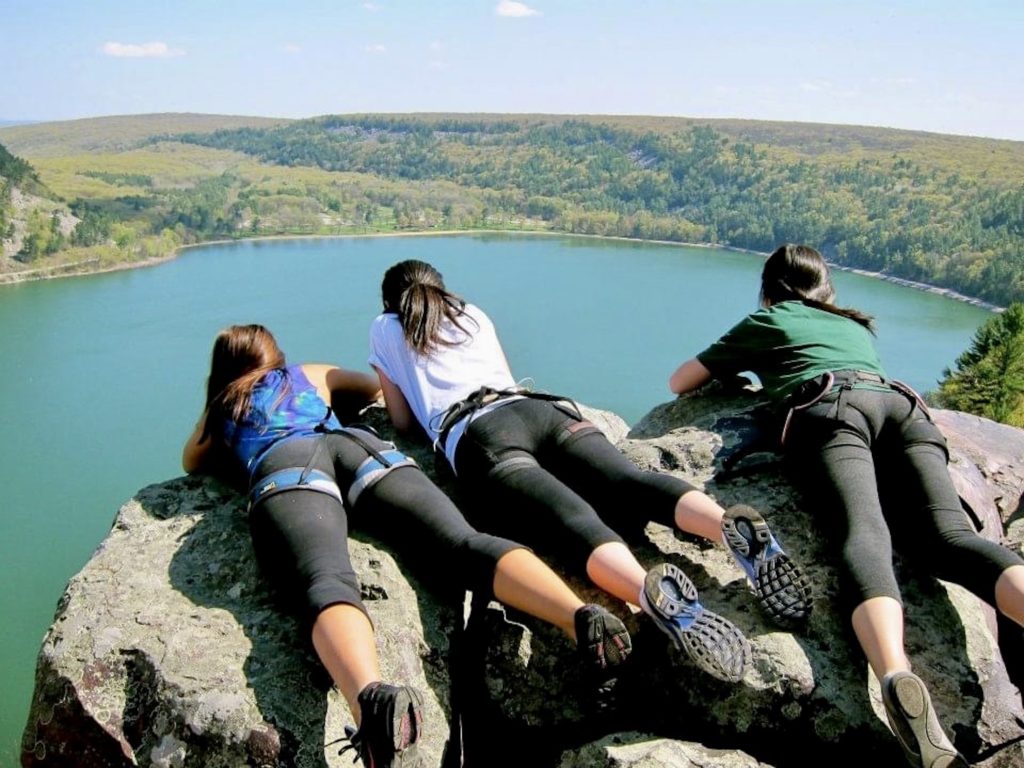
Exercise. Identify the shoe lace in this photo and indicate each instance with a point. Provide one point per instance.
(355, 742)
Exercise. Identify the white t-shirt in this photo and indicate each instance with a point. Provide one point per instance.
(432, 382)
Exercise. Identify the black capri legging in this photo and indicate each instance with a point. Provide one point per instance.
(301, 536)
(847, 443)
(539, 473)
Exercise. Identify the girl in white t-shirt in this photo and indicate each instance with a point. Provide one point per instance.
(536, 469)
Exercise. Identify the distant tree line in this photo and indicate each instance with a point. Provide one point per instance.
(881, 213)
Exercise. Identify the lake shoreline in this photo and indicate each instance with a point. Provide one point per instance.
(69, 270)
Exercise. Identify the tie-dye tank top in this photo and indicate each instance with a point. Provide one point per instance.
(284, 404)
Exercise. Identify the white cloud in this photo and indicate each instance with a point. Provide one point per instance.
(437, 66)
(376, 48)
(436, 45)
(153, 50)
(291, 48)
(371, 6)
(512, 9)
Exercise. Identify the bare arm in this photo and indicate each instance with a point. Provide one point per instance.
(398, 407)
(196, 456)
(330, 381)
(689, 376)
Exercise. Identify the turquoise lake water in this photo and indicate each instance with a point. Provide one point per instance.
(104, 374)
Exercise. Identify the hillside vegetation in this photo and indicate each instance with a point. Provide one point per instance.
(944, 210)
(13, 172)
(988, 378)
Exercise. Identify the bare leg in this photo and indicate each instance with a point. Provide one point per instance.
(878, 624)
(1010, 593)
(699, 514)
(524, 582)
(344, 641)
(614, 569)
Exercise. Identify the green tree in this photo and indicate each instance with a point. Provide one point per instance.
(989, 376)
(38, 236)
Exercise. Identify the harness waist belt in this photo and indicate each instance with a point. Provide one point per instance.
(459, 410)
(290, 478)
(374, 468)
(814, 389)
(485, 396)
(854, 377)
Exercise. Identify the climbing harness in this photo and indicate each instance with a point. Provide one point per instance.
(486, 396)
(815, 390)
(802, 399)
(377, 464)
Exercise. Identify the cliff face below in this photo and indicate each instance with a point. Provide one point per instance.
(168, 650)
(22, 207)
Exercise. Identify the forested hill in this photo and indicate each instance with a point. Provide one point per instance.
(942, 210)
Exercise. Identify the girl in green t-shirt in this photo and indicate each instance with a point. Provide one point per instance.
(849, 424)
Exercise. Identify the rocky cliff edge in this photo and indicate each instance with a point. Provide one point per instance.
(167, 650)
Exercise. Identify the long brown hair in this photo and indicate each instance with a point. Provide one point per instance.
(799, 273)
(415, 291)
(242, 355)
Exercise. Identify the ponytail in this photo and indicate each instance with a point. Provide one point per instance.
(848, 312)
(415, 291)
(799, 273)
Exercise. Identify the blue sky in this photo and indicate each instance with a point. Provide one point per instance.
(935, 65)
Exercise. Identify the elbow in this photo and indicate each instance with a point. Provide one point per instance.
(678, 389)
(194, 457)
(189, 462)
(687, 377)
(402, 423)
(677, 383)
(402, 419)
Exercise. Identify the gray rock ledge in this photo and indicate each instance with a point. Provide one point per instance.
(167, 650)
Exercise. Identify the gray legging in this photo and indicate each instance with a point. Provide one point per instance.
(541, 475)
(842, 440)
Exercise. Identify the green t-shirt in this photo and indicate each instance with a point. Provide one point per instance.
(788, 343)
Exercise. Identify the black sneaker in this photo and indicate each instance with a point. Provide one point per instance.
(782, 591)
(712, 642)
(913, 721)
(392, 718)
(602, 640)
